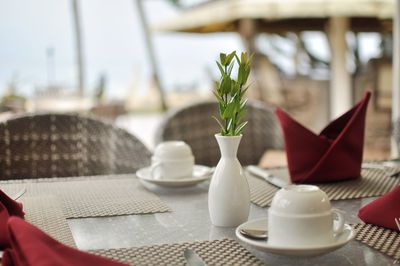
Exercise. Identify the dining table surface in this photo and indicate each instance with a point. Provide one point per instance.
(189, 221)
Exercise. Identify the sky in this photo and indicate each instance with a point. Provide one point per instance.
(114, 46)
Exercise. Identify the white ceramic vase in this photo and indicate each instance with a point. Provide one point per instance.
(229, 193)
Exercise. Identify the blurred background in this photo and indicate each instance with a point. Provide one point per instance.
(131, 60)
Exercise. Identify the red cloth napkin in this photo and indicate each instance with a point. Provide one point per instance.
(30, 246)
(14, 208)
(383, 210)
(333, 155)
(8, 207)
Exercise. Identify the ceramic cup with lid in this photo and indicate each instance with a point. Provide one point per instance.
(301, 215)
(172, 160)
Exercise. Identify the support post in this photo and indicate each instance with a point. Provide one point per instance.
(78, 47)
(340, 82)
(395, 136)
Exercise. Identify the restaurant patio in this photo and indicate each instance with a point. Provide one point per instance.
(191, 132)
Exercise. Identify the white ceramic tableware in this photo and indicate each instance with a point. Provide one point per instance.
(301, 215)
(200, 174)
(229, 193)
(172, 160)
(340, 240)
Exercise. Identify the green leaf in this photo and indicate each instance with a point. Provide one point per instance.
(225, 85)
(237, 59)
(241, 115)
(241, 74)
(221, 69)
(216, 85)
(243, 104)
(221, 109)
(230, 69)
(222, 58)
(230, 57)
(217, 96)
(229, 111)
(230, 121)
(219, 123)
(239, 129)
(246, 74)
(244, 91)
(243, 57)
(235, 89)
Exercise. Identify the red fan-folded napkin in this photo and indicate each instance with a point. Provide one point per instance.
(383, 210)
(8, 207)
(333, 155)
(30, 246)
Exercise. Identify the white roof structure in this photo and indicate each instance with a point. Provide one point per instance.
(221, 15)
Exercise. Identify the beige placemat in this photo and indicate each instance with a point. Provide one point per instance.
(374, 182)
(384, 240)
(93, 197)
(46, 213)
(217, 252)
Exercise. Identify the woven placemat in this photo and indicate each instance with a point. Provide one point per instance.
(384, 240)
(45, 212)
(91, 197)
(374, 182)
(217, 252)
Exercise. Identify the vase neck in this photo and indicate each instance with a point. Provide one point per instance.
(228, 145)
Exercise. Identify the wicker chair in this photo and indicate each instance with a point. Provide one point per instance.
(59, 145)
(194, 125)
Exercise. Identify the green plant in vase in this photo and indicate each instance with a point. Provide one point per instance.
(230, 93)
(229, 178)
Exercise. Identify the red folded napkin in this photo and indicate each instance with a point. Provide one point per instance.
(30, 246)
(333, 155)
(3, 226)
(8, 207)
(383, 210)
(13, 207)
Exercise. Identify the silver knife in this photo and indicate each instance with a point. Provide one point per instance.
(192, 258)
(267, 176)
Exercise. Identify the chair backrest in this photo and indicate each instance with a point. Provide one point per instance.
(194, 124)
(59, 145)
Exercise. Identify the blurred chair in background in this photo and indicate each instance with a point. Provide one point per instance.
(58, 145)
(194, 125)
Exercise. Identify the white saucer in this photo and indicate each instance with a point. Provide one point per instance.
(200, 174)
(340, 240)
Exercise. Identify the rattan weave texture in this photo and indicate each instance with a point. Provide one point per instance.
(384, 240)
(46, 213)
(93, 196)
(194, 125)
(57, 145)
(374, 182)
(217, 252)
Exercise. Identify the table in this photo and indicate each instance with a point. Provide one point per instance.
(189, 221)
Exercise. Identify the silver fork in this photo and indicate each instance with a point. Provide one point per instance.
(192, 258)
(397, 220)
(19, 194)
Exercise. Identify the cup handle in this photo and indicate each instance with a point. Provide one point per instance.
(153, 168)
(338, 229)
